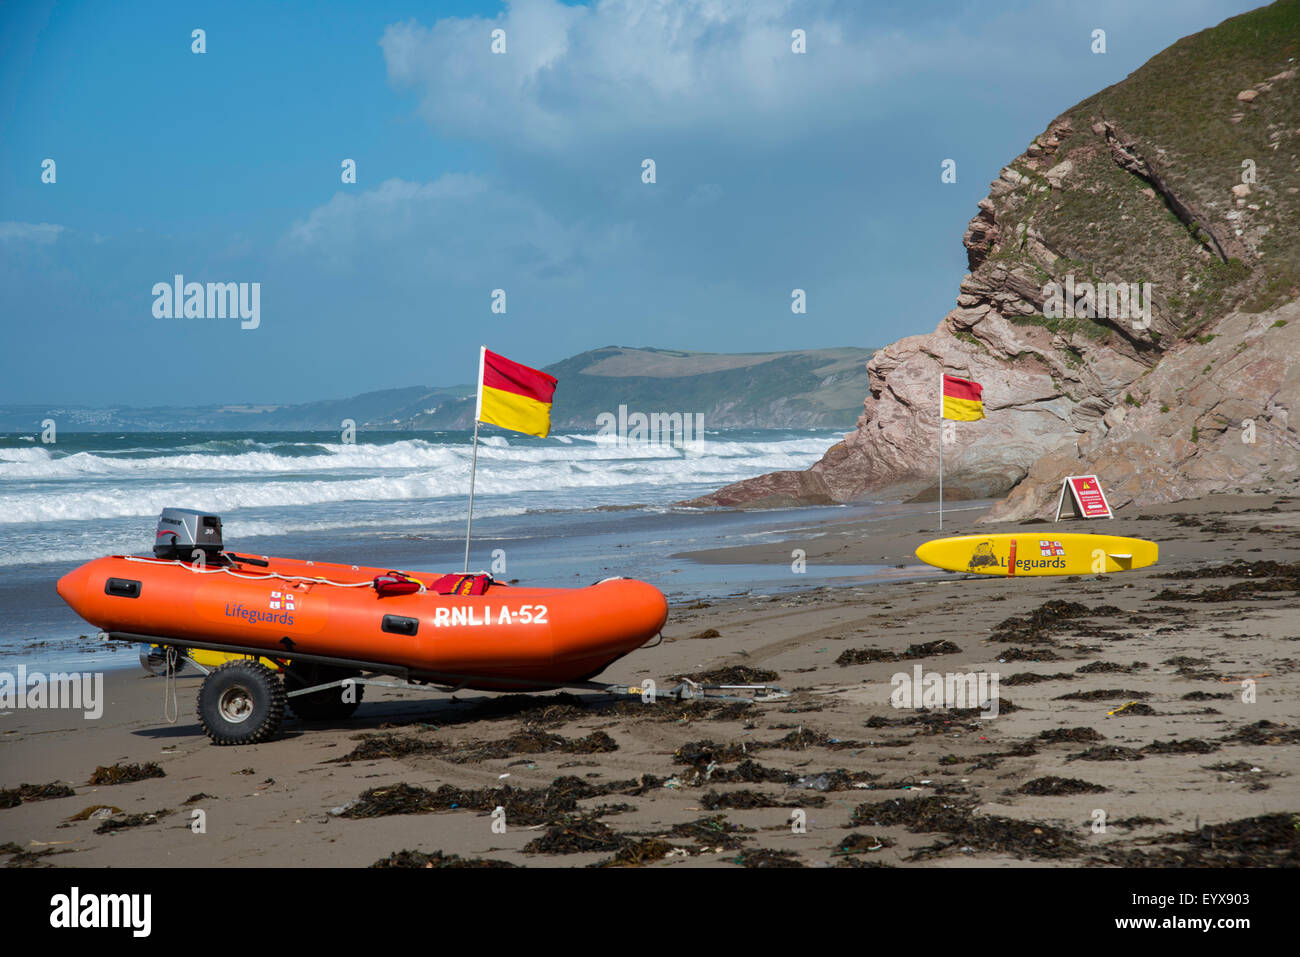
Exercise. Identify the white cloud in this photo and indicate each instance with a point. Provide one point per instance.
(455, 227)
(628, 68)
(42, 234)
(629, 73)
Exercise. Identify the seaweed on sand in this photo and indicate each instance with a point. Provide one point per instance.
(1103, 694)
(437, 859)
(1072, 735)
(761, 857)
(126, 773)
(1110, 753)
(1055, 787)
(12, 797)
(748, 800)
(576, 836)
(1189, 746)
(1264, 732)
(23, 857)
(863, 656)
(735, 675)
(115, 823)
(711, 832)
(856, 843)
(523, 806)
(705, 752)
(638, 853)
(1269, 840)
(957, 820)
(529, 740)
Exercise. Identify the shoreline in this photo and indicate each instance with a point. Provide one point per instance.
(893, 539)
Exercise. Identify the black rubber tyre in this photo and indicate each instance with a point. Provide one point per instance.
(327, 704)
(241, 702)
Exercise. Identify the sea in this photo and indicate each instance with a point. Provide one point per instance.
(561, 511)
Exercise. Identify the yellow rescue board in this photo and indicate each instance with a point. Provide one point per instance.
(1039, 553)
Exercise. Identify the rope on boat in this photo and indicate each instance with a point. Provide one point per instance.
(206, 570)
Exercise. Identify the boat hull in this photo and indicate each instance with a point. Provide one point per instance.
(532, 637)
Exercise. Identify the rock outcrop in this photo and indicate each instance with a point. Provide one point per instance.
(1142, 254)
(1213, 416)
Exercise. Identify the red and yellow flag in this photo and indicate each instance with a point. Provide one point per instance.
(513, 396)
(961, 399)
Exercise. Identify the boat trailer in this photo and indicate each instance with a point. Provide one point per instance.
(245, 703)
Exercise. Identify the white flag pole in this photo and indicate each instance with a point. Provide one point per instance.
(473, 472)
(941, 449)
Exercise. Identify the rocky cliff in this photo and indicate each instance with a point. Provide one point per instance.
(1130, 307)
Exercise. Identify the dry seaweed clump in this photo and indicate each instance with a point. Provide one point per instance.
(668, 709)
(864, 656)
(930, 813)
(1264, 732)
(1054, 787)
(375, 746)
(714, 832)
(529, 740)
(1239, 569)
(648, 850)
(1071, 735)
(535, 741)
(436, 860)
(1260, 579)
(12, 797)
(523, 806)
(746, 772)
(745, 800)
(1033, 678)
(577, 836)
(1103, 694)
(1103, 753)
(126, 773)
(115, 823)
(801, 739)
(1029, 654)
(1190, 746)
(1270, 840)
(964, 828)
(1111, 667)
(22, 857)
(706, 752)
(856, 843)
(1036, 627)
(761, 857)
(736, 675)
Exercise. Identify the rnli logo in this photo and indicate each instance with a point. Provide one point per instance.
(283, 601)
(1051, 549)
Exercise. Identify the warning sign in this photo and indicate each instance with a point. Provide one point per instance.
(1086, 496)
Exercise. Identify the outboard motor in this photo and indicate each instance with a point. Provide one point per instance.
(183, 531)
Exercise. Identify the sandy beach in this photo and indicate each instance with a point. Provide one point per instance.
(1124, 734)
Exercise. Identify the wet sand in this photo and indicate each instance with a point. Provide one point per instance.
(696, 784)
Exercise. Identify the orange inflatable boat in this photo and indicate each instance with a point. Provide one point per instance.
(327, 623)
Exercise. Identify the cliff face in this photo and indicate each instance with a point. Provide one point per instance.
(1143, 254)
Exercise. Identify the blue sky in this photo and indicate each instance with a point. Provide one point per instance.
(520, 171)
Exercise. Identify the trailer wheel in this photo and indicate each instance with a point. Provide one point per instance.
(328, 704)
(241, 702)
